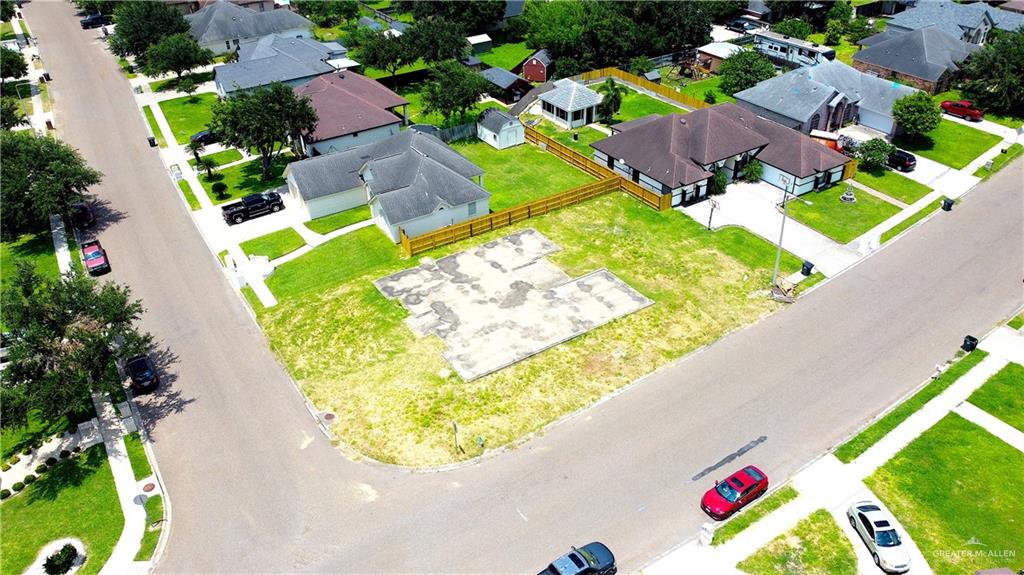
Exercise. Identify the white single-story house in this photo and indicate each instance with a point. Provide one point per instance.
(500, 129)
(570, 104)
(412, 182)
(224, 26)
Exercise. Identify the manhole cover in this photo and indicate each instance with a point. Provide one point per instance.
(148, 487)
(328, 416)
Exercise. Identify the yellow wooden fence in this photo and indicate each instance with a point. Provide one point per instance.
(661, 90)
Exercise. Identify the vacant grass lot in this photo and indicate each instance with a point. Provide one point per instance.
(137, 456)
(905, 224)
(350, 350)
(957, 483)
(328, 224)
(839, 221)
(752, 514)
(222, 157)
(816, 546)
(245, 179)
(1000, 161)
(877, 430)
(188, 115)
(636, 105)
(952, 144)
(1003, 395)
(893, 185)
(698, 88)
(274, 244)
(520, 174)
(414, 94)
(153, 127)
(76, 498)
(507, 56)
(1008, 121)
(586, 136)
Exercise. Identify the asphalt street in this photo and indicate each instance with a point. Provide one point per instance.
(254, 486)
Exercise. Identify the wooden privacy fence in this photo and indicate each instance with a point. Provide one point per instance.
(644, 83)
(850, 170)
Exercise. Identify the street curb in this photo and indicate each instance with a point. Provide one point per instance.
(165, 528)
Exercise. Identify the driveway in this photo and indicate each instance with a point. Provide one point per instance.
(221, 235)
(754, 207)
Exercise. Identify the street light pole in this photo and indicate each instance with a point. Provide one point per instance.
(782, 228)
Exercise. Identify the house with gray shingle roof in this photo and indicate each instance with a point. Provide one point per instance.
(825, 97)
(223, 26)
(412, 182)
(291, 61)
(500, 129)
(971, 22)
(927, 58)
(570, 104)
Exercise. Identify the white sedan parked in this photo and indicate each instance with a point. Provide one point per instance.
(879, 534)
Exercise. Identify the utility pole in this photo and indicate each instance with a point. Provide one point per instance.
(714, 206)
(785, 213)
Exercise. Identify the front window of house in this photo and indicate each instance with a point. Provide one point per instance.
(472, 208)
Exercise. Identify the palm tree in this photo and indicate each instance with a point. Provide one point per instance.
(196, 147)
(612, 100)
(207, 164)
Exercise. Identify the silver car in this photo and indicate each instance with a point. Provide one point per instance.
(877, 530)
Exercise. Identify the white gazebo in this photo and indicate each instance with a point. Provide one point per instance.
(570, 104)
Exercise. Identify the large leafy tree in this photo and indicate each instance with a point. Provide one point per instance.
(744, 70)
(67, 334)
(93, 6)
(841, 11)
(378, 49)
(472, 15)
(793, 27)
(41, 175)
(994, 75)
(140, 24)
(6, 10)
(177, 53)
(453, 90)
(10, 113)
(263, 119)
(327, 12)
(874, 154)
(436, 39)
(916, 114)
(12, 65)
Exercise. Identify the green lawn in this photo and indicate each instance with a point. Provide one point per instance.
(1000, 161)
(877, 430)
(190, 196)
(328, 224)
(7, 31)
(636, 105)
(153, 127)
(341, 33)
(507, 56)
(154, 513)
(172, 83)
(844, 50)
(274, 244)
(137, 456)
(14, 439)
(893, 185)
(188, 115)
(520, 174)
(837, 220)
(698, 88)
(1008, 121)
(952, 144)
(752, 514)
(245, 179)
(905, 224)
(44, 96)
(222, 157)
(1003, 395)
(20, 90)
(36, 248)
(956, 484)
(76, 498)
(385, 77)
(816, 546)
(127, 68)
(414, 94)
(1016, 322)
(586, 136)
(350, 350)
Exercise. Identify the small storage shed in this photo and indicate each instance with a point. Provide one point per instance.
(653, 76)
(500, 129)
(711, 55)
(535, 68)
(481, 43)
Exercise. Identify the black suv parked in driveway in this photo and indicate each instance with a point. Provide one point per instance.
(95, 21)
(206, 137)
(252, 206)
(903, 161)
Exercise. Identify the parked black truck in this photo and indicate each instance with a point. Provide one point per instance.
(252, 206)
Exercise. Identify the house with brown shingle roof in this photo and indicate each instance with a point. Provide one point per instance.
(679, 153)
(352, 110)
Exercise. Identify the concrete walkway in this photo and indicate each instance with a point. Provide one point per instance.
(992, 424)
(60, 243)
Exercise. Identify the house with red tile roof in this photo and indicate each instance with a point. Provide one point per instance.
(353, 110)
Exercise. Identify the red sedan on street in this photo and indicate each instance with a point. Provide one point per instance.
(95, 258)
(963, 109)
(734, 493)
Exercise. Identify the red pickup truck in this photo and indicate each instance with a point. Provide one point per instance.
(963, 109)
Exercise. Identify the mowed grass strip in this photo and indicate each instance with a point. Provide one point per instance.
(1000, 161)
(394, 394)
(190, 196)
(328, 224)
(1017, 322)
(893, 185)
(584, 137)
(188, 115)
(753, 514)
(137, 456)
(877, 430)
(153, 127)
(274, 244)
(1003, 395)
(816, 546)
(222, 157)
(520, 174)
(907, 223)
(841, 221)
(154, 514)
(954, 484)
(76, 498)
(952, 144)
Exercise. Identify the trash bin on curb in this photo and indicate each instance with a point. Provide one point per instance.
(46, 76)
(970, 342)
(152, 141)
(49, 124)
(807, 268)
(947, 204)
